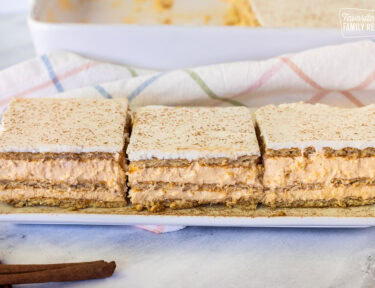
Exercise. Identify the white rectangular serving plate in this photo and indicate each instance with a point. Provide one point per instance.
(217, 221)
(351, 217)
(164, 47)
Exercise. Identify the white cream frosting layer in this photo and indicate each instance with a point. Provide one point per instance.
(192, 133)
(195, 174)
(285, 171)
(301, 125)
(72, 125)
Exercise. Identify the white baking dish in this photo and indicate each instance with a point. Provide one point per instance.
(170, 46)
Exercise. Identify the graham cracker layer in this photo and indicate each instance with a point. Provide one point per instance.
(156, 206)
(32, 196)
(358, 182)
(350, 152)
(66, 203)
(346, 202)
(194, 187)
(182, 198)
(244, 161)
(342, 196)
(347, 152)
(354, 182)
(205, 210)
(28, 156)
(4, 185)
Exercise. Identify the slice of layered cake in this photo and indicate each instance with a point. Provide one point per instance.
(183, 157)
(317, 155)
(64, 152)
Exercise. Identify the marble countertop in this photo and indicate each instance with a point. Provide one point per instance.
(202, 257)
(194, 256)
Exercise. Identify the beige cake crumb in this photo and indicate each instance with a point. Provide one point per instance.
(163, 5)
(240, 13)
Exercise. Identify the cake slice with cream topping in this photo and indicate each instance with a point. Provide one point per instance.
(64, 152)
(186, 156)
(317, 155)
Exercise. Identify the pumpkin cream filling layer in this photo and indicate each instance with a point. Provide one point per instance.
(315, 168)
(72, 172)
(196, 174)
(92, 180)
(202, 196)
(195, 183)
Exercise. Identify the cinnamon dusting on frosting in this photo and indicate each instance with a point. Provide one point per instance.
(74, 125)
(192, 133)
(300, 125)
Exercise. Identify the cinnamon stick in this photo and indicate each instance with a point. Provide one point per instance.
(10, 269)
(56, 272)
(5, 286)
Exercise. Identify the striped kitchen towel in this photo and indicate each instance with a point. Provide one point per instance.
(341, 75)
